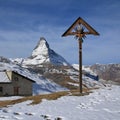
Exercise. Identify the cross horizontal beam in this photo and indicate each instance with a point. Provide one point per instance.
(69, 31)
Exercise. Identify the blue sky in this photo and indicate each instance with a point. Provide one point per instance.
(23, 22)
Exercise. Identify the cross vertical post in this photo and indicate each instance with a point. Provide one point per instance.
(80, 64)
(80, 29)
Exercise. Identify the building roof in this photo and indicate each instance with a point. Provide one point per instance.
(4, 78)
(23, 76)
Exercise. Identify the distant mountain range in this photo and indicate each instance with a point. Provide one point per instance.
(107, 72)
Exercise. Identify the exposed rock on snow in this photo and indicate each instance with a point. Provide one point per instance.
(4, 60)
(107, 72)
(42, 85)
(43, 54)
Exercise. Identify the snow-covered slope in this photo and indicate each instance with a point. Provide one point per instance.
(42, 85)
(43, 54)
(84, 68)
(89, 82)
(101, 104)
(52, 79)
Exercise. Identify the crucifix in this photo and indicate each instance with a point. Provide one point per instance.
(80, 28)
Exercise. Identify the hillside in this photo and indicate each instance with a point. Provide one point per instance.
(50, 78)
(42, 85)
(53, 73)
(102, 104)
(51, 65)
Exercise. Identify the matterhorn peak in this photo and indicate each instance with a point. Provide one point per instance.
(42, 42)
(43, 54)
(41, 48)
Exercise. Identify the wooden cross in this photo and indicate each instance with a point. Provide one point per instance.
(80, 28)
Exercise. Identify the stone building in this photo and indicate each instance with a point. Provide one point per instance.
(13, 83)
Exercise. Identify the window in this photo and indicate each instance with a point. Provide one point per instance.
(1, 89)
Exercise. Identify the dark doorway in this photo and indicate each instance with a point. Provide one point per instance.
(1, 90)
(16, 90)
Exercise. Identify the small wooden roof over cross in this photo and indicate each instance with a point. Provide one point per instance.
(80, 21)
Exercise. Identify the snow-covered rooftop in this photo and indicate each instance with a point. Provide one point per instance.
(3, 77)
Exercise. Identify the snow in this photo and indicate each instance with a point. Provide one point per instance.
(85, 68)
(42, 53)
(39, 59)
(41, 48)
(4, 78)
(101, 104)
(74, 84)
(87, 81)
(10, 98)
(45, 86)
(42, 85)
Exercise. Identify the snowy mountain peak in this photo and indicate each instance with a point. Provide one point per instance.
(43, 54)
(41, 48)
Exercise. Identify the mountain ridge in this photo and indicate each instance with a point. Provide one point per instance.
(43, 54)
(52, 70)
(107, 71)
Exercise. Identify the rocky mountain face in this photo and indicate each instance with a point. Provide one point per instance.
(43, 54)
(4, 60)
(107, 72)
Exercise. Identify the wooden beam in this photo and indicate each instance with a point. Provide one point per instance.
(84, 23)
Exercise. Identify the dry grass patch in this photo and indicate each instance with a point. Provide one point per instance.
(53, 96)
(35, 99)
(38, 98)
